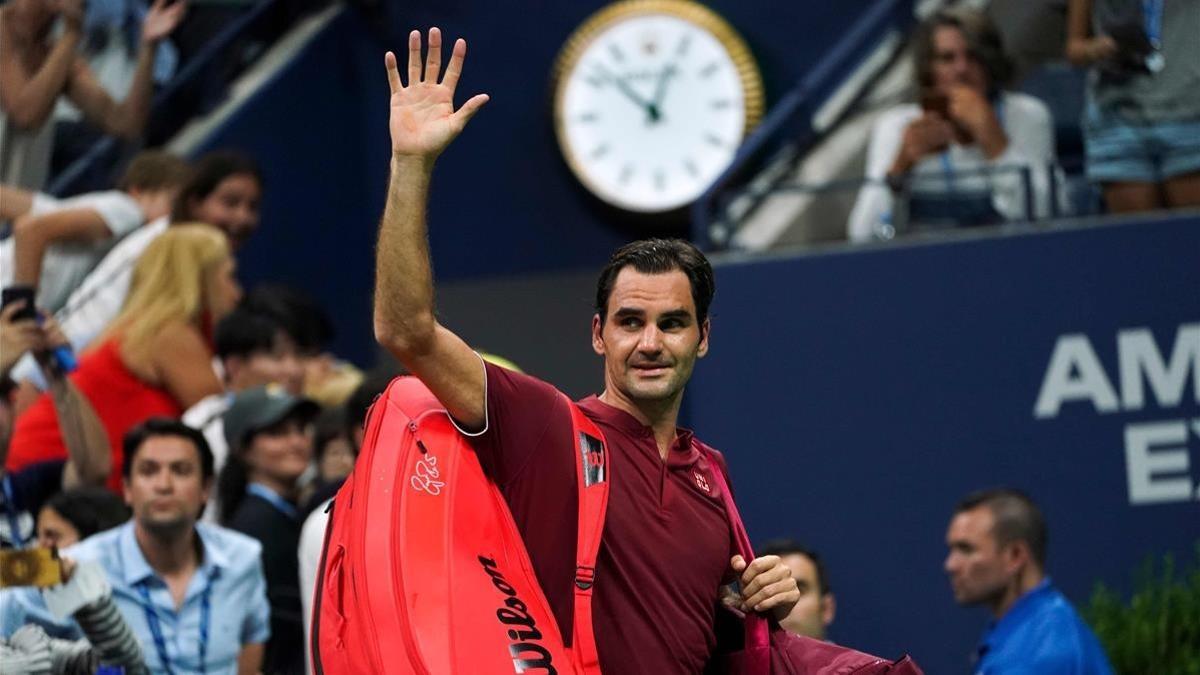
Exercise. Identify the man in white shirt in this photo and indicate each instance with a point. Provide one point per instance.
(963, 152)
(57, 242)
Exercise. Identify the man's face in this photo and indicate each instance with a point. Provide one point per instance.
(231, 206)
(814, 611)
(953, 63)
(979, 568)
(166, 487)
(650, 338)
(280, 365)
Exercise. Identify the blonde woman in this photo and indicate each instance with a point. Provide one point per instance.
(156, 357)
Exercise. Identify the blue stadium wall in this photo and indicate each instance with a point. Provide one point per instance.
(860, 394)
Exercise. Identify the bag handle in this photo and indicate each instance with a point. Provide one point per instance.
(592, 479)
(757, 659)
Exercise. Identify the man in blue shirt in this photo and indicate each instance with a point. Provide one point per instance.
(997, 542)
(194, 594)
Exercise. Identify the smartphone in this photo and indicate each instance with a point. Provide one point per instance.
(13, 294)
(39, 567)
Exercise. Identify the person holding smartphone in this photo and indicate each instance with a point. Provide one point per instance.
(88, 458)
(960, 153)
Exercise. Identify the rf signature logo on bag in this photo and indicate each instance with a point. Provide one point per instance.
(425, 476)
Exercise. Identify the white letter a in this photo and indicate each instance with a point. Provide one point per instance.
(1074, 374)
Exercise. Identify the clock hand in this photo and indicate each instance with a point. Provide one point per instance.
(624, 88)
(654, 110)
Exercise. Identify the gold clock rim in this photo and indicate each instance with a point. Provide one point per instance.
(753, 98)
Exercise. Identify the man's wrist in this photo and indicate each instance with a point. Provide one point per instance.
(408, 163)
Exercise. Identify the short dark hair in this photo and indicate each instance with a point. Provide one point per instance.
(784, 546)
(1017, 518)
(301, 317)
(659, 256)
(165, 426)
(89, 509)
(983, 41)
(243, 332)
(154, 170)
(207, 173)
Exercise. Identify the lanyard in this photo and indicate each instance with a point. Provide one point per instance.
(160, 643)
(948, 166)
(10, 511)
(1152, 12)
(282, 505)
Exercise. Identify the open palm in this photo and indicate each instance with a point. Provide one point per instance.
(422, 119)
(161, 19)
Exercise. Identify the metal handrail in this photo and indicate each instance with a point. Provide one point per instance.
(788, 127)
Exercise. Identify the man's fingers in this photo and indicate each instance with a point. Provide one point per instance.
(454, 68)
(760, 565)
(763, 579)
(10, 309)
(414, 57)
(468, 109)
(738, 563)
(776, 594)
(433, 58)
(393, 75)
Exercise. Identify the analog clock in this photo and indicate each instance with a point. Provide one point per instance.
(651, 100)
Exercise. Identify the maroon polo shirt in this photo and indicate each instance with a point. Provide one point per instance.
(666, 545)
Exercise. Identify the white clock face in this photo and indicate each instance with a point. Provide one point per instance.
(651, 112)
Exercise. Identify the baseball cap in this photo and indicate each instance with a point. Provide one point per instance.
(258, 408)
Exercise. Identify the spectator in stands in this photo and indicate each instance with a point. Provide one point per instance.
(309, 325)
(224, 191)
(74, 515)
(55, 243)
(254, 351)
(155, 359)
(110, 46)
(268, 431)
(962, 150)
(335, 452)
(997, 542)
(37, 68)
(88, 457)
(193, 593)
(815, 610)
(1142, 122)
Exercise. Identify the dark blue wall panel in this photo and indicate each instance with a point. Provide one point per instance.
(860, 394)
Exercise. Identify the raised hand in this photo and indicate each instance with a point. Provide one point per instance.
(422, 119)
(161, 19)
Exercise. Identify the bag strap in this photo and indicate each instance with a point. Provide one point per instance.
(592, 479)
(758, 639)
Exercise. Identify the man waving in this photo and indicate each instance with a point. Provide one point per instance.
(666, 547)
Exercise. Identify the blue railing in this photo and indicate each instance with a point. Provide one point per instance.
(788, 127)
(199, 86)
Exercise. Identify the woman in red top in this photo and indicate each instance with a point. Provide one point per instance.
(156, 357)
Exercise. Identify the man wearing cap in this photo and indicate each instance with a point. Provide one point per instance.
(270, 449)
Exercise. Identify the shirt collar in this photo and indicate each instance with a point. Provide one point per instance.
(683, 451)
(1016, 615)
(136, 569)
